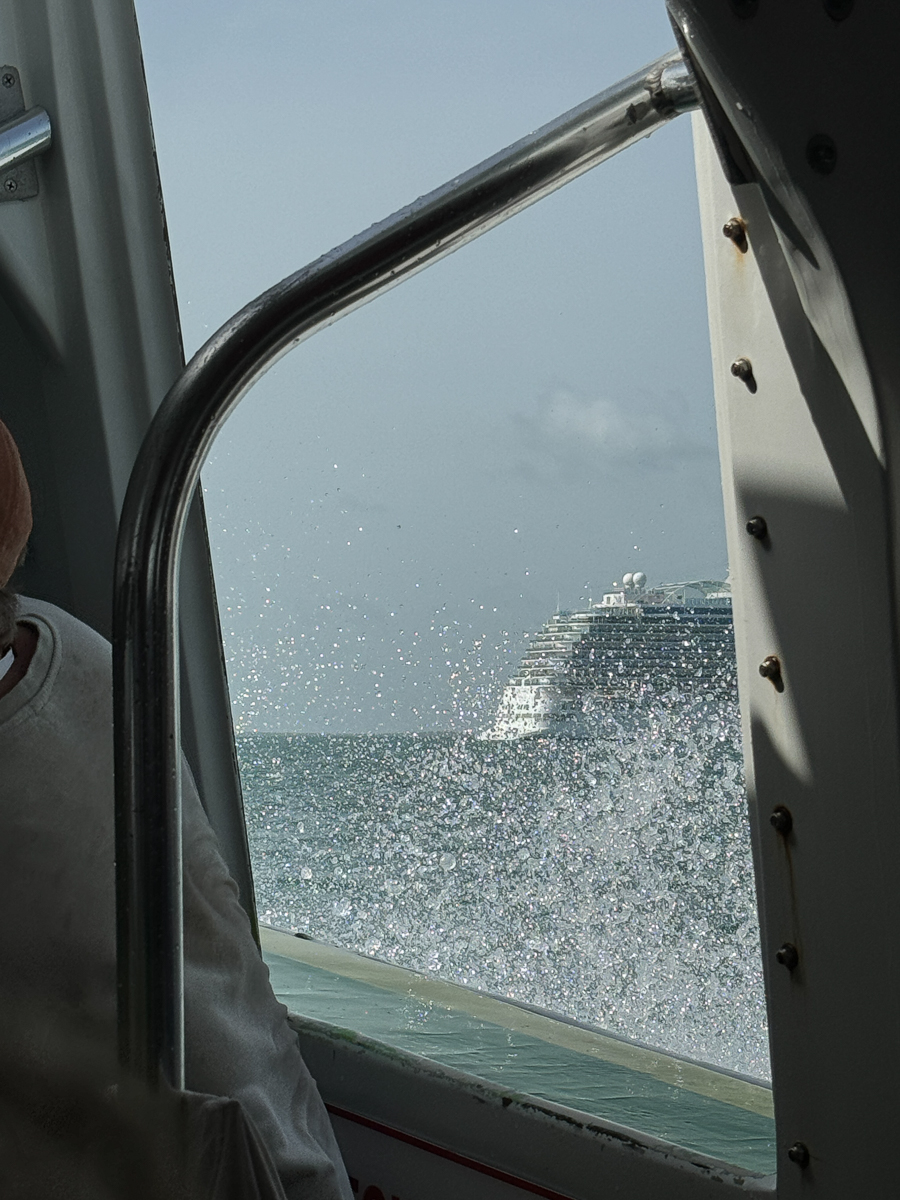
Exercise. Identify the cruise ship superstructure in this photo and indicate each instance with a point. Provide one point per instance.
(635, 642)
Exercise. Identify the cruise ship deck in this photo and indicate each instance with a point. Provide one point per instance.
(632, 644)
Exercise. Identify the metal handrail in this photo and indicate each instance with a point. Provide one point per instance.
(167, 470)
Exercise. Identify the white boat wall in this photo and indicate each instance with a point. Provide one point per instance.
(796, 193)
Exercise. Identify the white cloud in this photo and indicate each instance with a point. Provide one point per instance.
(565, 428)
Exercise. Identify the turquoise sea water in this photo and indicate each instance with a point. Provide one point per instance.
(607, 878)
(524, 1064)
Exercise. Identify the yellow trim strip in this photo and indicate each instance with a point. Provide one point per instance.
(704, 1081)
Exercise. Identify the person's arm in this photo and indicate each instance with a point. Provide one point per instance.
(238, 1042)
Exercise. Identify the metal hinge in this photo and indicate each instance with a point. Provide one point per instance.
(23, 134)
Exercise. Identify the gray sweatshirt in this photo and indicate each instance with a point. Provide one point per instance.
(57, 939)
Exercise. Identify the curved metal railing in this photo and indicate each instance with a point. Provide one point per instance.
(167, 470)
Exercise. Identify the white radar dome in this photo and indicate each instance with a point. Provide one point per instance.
(627, 579)
(639, 579)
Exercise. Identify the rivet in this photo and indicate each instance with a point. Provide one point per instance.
(9, 80)
(781, 820)
(799, 1154)
(11, 185)
(770, 667)
(758, 528)
(821, 154)
(736, 230)
(787, 955)
(838, 9)
(745, 8)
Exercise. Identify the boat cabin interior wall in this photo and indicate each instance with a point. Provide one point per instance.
(795, 143)
(91, 344)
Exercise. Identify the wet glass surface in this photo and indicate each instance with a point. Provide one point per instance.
(607, 878)
(452, 759)
(469, 743)
(404, 510)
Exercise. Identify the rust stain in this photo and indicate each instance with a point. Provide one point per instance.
(787, 841)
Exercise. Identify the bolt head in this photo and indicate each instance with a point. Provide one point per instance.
(781, 820)
(788, 956)
(736, 230)
(758, 528)
(821, 154)
(799, 1154)
(742, 368)
(770, 667)
(9, 80)
(11, 185)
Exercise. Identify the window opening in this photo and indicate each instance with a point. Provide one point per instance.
(447, 766)
(425, 524)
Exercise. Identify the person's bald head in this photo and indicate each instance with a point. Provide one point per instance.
(15, 506)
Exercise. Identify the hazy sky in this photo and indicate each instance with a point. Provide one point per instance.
(410, 493)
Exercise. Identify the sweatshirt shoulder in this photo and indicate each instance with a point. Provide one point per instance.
(73, 634)
(82, 657)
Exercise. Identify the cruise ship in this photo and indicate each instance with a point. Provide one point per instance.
(636, 641)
